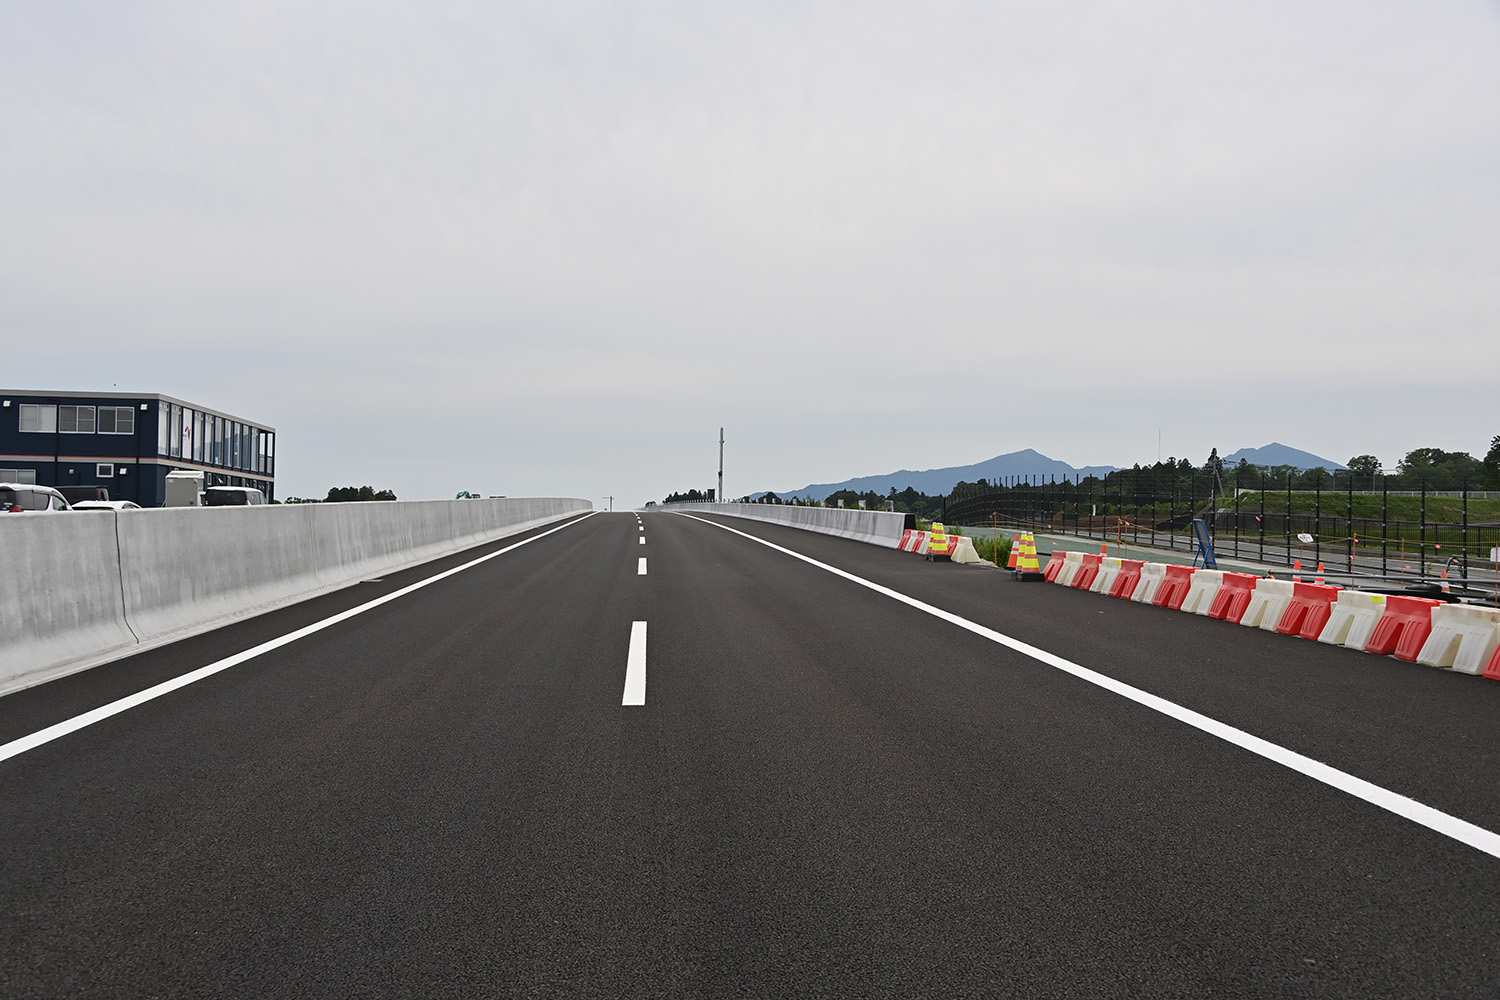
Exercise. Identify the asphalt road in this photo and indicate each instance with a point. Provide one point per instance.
(828, 791)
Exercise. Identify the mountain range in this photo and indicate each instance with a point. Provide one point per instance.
(1026, 463)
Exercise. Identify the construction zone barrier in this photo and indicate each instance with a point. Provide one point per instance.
(1201, 594)
(1175, 583)
(1015, 552)
(1072, 563)
(1055, 565)
(1267, 604)
(1127, 579)
(1308, 610)
(1404, 627)
(910, 538)
(1464, 637)
(1233, 597)
(1152, 575)
(1087, 571)
(1353, 619)
(961, 550)
(1109, 572)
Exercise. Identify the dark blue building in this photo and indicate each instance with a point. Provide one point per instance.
(128, 442)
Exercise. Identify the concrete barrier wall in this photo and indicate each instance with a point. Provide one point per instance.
(61, 599)
(89, 587)
(878, 527)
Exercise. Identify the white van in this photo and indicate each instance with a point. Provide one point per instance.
(232, 496)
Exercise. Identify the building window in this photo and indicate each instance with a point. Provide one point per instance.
(23, 476)
(198, 436)
(116, 420)
(105, 470)
(174, 433)
(75, 419)
(38, 418)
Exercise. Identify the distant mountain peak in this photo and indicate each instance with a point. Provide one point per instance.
(1277, 453)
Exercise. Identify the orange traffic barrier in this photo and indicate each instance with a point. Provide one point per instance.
(1233, 597)
(1309, 610)
(1084, 578)
(1055, 565)
(1129, 578)
(1493, 670)
(1015, 552)
(1404, 627)
(1174, 587)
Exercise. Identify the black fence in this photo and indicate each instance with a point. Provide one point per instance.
(1399, 535)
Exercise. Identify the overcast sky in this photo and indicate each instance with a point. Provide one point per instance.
(550, 248)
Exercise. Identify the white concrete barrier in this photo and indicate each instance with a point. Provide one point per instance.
(101, 585)
(61, 599)
(1202, 590)
(1109, 572)
(878, 527)
(1152, 575)
(961, 550)
(1353, 619)
(1268, 603)
(1072, 563)
(1463, 637)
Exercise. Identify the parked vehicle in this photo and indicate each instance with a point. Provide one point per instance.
(106, 505)
(184, 489)
(232, 496)
(20, 498)
(73, 494)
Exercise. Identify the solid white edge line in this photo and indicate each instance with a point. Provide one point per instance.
(640, 567)
(1436, 820)
(44, 736)
(635, 666)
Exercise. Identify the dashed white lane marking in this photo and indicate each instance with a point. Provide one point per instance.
(640, 567)
(635, 666)
(36, 739)
(643, 539)
(1436, 820)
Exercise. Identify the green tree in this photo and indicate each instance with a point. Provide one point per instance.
(1492, 464)
(352, 494)
(1364, 469)
(1440, 470)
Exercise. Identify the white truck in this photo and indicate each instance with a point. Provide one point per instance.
(184, 489)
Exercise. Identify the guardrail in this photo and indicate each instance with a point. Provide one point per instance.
(86, 588)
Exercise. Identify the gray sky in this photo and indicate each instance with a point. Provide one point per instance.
(550, 248)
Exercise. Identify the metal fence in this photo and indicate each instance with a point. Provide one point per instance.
(1397, 535)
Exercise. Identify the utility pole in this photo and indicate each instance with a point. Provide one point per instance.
(611, 502)
(721, 465)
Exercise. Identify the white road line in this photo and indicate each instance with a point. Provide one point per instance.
(643, 539)
(635, 666)
(43, 736)
(1436, 820)
(640, 567)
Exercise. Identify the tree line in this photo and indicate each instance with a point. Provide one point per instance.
(1421, 468)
